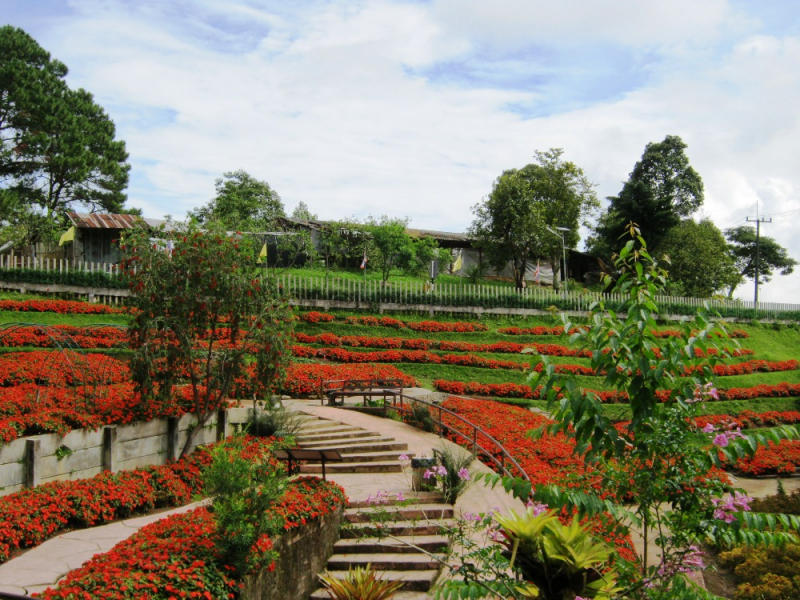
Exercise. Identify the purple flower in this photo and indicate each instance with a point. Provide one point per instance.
(399, 497)
(721, 440)
(463, 474)
(403, 457)
(440, 470)
(428, 474)
(708, 428)
(537, 507)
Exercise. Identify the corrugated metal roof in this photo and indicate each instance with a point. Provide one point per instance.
(104, 221)
(440, 235)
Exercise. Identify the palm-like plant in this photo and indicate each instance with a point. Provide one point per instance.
(360, 583)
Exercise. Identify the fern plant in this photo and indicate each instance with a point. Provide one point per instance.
(360, 583)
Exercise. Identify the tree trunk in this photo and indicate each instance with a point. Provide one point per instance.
(555, 264)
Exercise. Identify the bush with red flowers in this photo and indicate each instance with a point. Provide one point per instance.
(304, 380)
(774, 459)
(178, 557)
(31, 516)
(60, 306)
(316, 317)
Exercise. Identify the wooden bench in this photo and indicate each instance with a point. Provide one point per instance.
(337, 390)
(292, 456)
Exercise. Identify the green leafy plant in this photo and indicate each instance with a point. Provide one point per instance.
(360, 583)
(242, 489)
(273, 420)
(456, 478)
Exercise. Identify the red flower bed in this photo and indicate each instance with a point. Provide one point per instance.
(436, 327)
(316, 317)
(780, 459)
(514, 390)
(542, 330)
(410, 356)
(747, 419)
(61, 368)
(84, 337)
(376, 322)
(751, 366)
(304, 380)
(177, 557)
(31, 516)
(549, 459)
(59, 306)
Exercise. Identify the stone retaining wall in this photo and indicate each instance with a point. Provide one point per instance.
(304, 553)
(83, 453)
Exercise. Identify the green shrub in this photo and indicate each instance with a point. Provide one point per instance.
(271, 421)
(765, 572)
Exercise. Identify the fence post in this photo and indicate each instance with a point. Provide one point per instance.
(222, 424)
(32, 450)
(172, 439)
(110, 448)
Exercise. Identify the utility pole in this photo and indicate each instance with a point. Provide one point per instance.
(758, 221)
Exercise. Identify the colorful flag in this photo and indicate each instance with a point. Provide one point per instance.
(458, 262)
(67, 236)
(263, 253)
(536, 273)
(364, 262)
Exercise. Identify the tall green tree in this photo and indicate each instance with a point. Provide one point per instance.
(58, 150)
(662, 189)
(772, 256)
(699, 262)
(207, 320)
(242, 203)
(511, 224)
(389, 244)
(302, 212)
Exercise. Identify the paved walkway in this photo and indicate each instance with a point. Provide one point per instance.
(41, 567)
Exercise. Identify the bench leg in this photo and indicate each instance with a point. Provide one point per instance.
(323, 469)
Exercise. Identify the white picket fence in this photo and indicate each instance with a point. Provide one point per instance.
(364, 293)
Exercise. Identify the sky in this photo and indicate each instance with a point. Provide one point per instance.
(413, 108)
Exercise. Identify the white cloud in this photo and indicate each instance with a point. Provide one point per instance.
(326, 103)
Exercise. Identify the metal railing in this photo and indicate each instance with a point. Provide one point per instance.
(472, 440)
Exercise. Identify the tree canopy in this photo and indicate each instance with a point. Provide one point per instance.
(661, 190)
(772, 256)
(242, 203)
(57, 146)
(700, 264)
(302, 212)
(511, 223)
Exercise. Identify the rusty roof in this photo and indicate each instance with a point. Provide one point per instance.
(105, 221)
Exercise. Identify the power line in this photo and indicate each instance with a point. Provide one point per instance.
(758, 221)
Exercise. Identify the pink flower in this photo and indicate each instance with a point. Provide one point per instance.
(721, 440)
(708, 428)
(403, 457)
(428, 474)
(440, 470)
(463, 474)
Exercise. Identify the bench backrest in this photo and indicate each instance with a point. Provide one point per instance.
(363, 384)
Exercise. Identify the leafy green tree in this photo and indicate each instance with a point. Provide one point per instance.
(204, 314)
(389, 246)
(699, 262)
(342, 242)
(242, 203)
(302, 212)
(771, 256)
(57, 146)
(661, 190)
(511, 224)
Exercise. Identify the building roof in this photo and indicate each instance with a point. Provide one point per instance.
(105, 221)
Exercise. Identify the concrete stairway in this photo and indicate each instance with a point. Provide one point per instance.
(363, 451)
(392, 553)
(418, 520)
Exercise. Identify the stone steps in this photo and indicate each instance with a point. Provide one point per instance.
(397, 528)
(385, 561)
(431, 543)
(350, 434)
(417, 581)
(413, 512)
(363, 445)
(354, 467)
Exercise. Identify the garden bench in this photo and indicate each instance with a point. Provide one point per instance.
(292, 456)
(337, 390)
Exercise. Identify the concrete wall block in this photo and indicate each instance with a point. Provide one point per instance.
(134, 431)
(143, 461)
(77, 439)
(141, 447)
(110, 448)
(74, 475)
(51, 466)
(11, 474)
(12, 452)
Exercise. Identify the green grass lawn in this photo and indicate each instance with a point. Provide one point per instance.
(43, 318)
